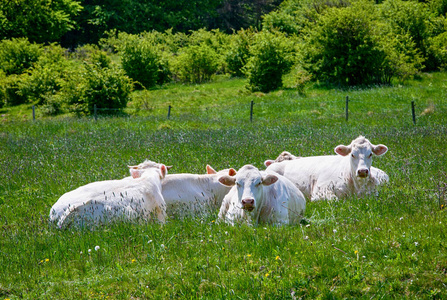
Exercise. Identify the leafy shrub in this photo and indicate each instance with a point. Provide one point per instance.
(238, 52)
(141, 61)
(438, 50)
(351, 46)
(196, 63)
(9, 87)
(46, 76)
(413, 18)
(271, 56)
(18, 55)
(105, 87)
(92, 54)
(278, 20)
(401, 58)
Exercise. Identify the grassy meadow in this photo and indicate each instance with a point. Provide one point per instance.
(388, 246)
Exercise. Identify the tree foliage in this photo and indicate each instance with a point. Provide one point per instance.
(38, 20)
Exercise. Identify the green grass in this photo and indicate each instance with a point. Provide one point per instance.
(389, 246)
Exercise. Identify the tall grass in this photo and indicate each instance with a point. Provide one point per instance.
(386, 246)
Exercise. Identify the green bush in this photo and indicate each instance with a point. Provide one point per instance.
(18, 55)
(341, 48)
(196, 63)
(108, 88)
(438, 50)
(413, 18)
(46, 76)
(271, 56)
(93, 55)
(278, 20)
(9, 87)
(238, 52)
(142, 62)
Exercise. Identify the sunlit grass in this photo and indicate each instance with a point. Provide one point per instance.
(389, 246)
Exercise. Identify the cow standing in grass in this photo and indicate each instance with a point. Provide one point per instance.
(259, 197)
(137, 197)
(336, 176)
(189, 195)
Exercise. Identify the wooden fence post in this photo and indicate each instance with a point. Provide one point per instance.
(95, 112)
(413, 113)
(34, 113)
(169, 111)
(347, 108)
(251, 110)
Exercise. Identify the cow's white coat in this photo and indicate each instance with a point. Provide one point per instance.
(336, 176)
(134, 197)
(188, 195)
(259, 197)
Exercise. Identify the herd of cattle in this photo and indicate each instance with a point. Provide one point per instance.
(276, 195)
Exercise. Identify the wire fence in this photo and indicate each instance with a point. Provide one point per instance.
(345, 109)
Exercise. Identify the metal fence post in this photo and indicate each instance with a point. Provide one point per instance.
(169, 111)
(347, 108)
(413, 113)
(95, 112)
(34, 113)
(251, 110)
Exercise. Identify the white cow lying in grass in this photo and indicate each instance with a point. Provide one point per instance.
(131, 198)
(336, 176)
(188, 195)
(260, 197)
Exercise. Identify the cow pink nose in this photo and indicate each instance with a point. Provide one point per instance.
(248, 203)
(362, 172)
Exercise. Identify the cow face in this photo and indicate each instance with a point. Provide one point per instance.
(361, 151)
(249, 183)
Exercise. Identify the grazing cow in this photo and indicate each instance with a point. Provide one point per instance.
(285, 155)
(131, 198)
(336, 176)
(261, 197)
(188, 195)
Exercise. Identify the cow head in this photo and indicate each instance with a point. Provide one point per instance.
(249, 182)
(361, 151)
(285, 155)
(138, 170)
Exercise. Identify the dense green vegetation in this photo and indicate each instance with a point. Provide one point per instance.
(386, 246)
(334, 43)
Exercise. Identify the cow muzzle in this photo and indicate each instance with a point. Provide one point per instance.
(248, 204)
(363, 173)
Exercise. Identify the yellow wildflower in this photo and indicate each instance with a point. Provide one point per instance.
(47, 259)
(277, 257)
(267, 275)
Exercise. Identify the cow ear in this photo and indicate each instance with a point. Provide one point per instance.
(168, 167)
(227, 180)
(342, 150)
(210, 170)
(269, 179)
(164, 171)
(268, 162)
(379, 149)
(232, 172)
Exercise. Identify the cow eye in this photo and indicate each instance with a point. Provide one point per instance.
(370, 155)
(352, 155)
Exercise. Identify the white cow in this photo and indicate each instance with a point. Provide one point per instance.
(193, 194)
(285, 155)
(131, 198)
(260, 197)
(336, 176)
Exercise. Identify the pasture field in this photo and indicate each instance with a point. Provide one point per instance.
(392, 245)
